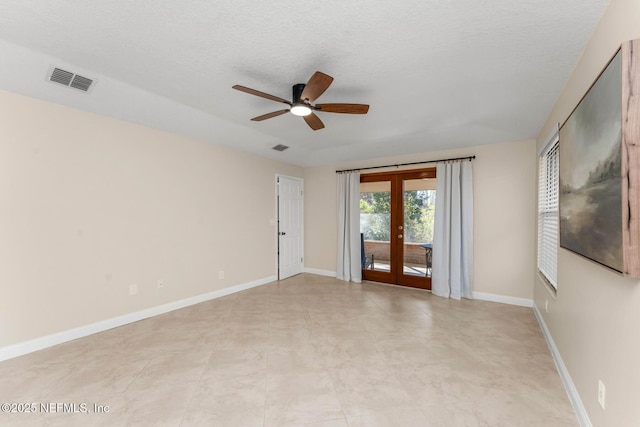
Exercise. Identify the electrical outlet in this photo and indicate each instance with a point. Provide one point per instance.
(133, 289)
(160, 284)
(601, 393)
(546, 305)
(221, 274)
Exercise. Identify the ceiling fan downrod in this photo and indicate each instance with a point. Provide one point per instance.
(297, 92)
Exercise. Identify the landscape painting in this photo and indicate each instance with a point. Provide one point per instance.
(591, 173)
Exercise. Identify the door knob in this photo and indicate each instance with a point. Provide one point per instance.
(399, 227)
(399, 236)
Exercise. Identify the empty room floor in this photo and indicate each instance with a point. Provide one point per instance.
(306, 351)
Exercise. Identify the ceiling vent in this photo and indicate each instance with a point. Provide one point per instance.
(280, 147)
(69, 79)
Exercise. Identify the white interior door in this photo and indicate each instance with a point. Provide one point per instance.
(290, 226)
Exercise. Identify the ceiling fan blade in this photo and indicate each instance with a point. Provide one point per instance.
(260, 94)
(270, 115)
(316, 86)
(313, 121)
(343, 108)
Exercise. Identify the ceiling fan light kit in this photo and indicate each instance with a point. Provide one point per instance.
(301, 104)
(300, 109)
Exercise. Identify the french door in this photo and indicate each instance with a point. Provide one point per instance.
(396, 225)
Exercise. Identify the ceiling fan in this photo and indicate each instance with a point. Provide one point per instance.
(303, 97)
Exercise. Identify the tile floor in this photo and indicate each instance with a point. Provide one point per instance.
(306, 351)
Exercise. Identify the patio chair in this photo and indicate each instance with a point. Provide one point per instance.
(428, 247)
(367, 262)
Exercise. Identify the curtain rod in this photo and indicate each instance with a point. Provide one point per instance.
(408, 164)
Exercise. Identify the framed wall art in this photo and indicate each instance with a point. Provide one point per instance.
(600, 168)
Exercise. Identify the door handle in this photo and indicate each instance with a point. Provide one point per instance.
(282, 233)
(399, 236)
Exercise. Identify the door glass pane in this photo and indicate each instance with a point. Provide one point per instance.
(419, 197)
(375, 225)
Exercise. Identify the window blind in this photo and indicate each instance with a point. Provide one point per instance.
(548, 202)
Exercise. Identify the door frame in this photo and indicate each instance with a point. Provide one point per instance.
(396, 274)
(277, 220)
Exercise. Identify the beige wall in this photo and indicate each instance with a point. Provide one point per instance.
(504, 214)
(595, 318)
(90, 205)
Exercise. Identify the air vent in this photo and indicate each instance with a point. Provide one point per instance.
(280, 147)
(61, 76)
(81, 83)
(69, 79)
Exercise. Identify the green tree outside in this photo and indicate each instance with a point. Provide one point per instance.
(375, 215)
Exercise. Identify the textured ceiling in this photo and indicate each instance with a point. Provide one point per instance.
(437, 75)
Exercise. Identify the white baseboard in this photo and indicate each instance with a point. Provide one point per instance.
(523, 302)
(570, 388)
(320, 272)
(36, 344)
